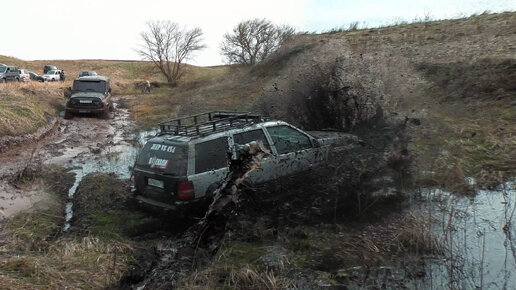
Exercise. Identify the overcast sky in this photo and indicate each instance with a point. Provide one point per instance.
(102, 29)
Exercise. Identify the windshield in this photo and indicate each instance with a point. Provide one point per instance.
(89, 86)
(52, 72)
(170, 159)
(3, 69)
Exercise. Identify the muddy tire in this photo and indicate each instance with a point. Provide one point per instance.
(68, 115)
(111, 107)
(106, 115)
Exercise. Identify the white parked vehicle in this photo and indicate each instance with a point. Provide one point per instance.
(187, 161)
(52, 76)
(24, 76)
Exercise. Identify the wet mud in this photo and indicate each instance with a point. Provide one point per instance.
(83, 145)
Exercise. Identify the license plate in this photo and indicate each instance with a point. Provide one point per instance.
(84, 111)
(155, 182)
(85, 101)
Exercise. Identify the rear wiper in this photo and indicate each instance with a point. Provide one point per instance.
(168, 174)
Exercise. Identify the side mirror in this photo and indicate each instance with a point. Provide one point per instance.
(109, 90)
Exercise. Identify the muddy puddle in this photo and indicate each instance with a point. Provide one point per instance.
(478, 237)
(116, 156)
(84, 144)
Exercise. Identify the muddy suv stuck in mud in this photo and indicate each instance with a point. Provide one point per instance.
(90, 95)
(184, 164)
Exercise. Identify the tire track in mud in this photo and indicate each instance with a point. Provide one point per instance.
(83, 144)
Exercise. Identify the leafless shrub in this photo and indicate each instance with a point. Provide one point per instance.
(167, 46)
(254, 40)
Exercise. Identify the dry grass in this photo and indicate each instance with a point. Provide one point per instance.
(246, 277)
(35, 254)
(24, 107)
(204, 89)
(78, 263)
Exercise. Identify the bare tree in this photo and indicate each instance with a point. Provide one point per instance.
(168, 46)
(253, 40)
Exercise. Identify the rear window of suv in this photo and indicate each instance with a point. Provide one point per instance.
(164, 158)
(211, 155)
(89, 86)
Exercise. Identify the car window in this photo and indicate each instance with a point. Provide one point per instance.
(211, 155)
(287, 139)
(3, 69)
(90, 86)
(167, 158)
(249, 136)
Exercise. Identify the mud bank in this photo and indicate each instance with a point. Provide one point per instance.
(10, 142)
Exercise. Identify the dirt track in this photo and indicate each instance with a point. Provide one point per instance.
(82, 144)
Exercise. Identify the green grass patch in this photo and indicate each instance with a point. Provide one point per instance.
(112, 224)
(238, 254)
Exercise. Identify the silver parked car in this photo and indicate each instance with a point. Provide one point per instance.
(186, 162)
(9, 73)
(52, 76)
(24, 75)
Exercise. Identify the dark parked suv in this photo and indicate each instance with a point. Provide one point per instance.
(188, 159)
(48, 68)
(90, 94)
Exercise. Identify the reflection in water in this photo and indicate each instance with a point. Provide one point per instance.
(478, 236)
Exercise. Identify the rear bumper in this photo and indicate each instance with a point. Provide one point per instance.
(154, 203)
(85, 110)
(181, 208)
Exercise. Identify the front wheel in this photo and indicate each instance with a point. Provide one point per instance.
(68, 115)
(105, 114)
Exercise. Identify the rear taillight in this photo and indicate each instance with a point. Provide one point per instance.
(185, 190)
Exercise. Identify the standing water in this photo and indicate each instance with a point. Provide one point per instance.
(478, 236)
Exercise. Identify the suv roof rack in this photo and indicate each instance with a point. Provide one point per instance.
(207, 123)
